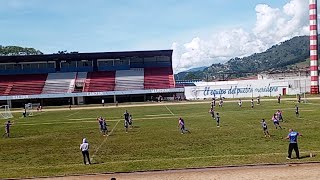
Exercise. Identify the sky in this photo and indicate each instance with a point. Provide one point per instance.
(200, 32)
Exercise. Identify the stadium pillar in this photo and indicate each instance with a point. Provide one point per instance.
(313, 15)
(9, 103)
(114, 98)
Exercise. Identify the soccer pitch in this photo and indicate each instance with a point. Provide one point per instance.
(47, 144)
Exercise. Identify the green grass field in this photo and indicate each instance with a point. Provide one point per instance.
(48, 143)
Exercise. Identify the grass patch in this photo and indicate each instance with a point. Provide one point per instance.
(48, 143)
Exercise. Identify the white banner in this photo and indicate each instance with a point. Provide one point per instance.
(237, 89)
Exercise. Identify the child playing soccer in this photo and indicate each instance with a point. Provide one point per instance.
(7, 129)
(297, 111)
(252, 103)
(182, 126)
(211, 111)
(104, 128)
(218, 120)
(130, 121)
(240, 103)
(265, 128)
(276, 121)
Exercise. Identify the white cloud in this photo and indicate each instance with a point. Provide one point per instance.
(273, 25)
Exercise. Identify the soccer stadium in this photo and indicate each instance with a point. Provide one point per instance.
(123, 115)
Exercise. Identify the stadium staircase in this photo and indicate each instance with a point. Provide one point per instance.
(22, 84)
(132, 79)
(59, 83)
(80, 81)
(100, 81)
(158, 78)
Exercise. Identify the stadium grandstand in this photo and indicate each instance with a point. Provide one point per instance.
(83, 78)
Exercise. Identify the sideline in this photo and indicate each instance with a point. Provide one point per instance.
(158, 104)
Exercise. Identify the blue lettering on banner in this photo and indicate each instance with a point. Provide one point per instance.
(207, 91)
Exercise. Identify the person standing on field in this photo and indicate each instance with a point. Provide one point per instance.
(297, 111)
(84, 147)
(293, 137)
(7, 129)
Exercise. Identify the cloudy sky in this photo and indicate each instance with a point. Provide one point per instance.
(200, 32)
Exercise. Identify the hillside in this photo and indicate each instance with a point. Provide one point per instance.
(282, 56)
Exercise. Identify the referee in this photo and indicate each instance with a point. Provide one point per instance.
(293, 137)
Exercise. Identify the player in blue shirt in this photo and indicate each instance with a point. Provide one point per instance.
(265, 128)
(293, 137)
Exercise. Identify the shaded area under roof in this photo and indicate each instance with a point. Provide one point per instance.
(87, 56)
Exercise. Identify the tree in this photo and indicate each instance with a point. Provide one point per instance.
(17, 50)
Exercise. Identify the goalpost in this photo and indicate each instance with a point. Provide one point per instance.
(30, 108)
(5, 112)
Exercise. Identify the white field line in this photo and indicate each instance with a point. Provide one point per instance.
(174, 158)
(73, 114)
(159, 115)
(169, 110)
(158, 104)
(80, 121)
(104, 141)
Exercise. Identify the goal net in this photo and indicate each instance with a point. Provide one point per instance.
(30, 108)
(5, 112)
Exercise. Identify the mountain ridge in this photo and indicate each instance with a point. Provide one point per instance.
(278, 57)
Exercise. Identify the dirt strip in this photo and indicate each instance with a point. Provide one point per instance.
(309, 171)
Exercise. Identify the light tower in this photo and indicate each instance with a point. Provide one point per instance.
(314, 47)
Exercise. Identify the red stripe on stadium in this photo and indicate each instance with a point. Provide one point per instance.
(314, 37)
(315, 78)
(313, 68)
(313, 17)
(313, 47)
(312, 6)
(314, 57)
(313, 27)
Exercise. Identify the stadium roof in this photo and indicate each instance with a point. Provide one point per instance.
(83, 56)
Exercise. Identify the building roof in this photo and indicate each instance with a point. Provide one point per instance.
(87, 56)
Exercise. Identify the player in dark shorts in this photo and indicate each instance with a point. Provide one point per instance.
(104, 128)
(214, 102)
(221, 102)
(279, 114)
(7, 129)
(240, 103)
(211, 111)
(279, 98)
(297, 111)
(100, 121)
(126, 120)
(265, 128)
(130, 121)
(252, 103)
(276, 121)
(218, 119)
(258, 100)
(182, 126)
